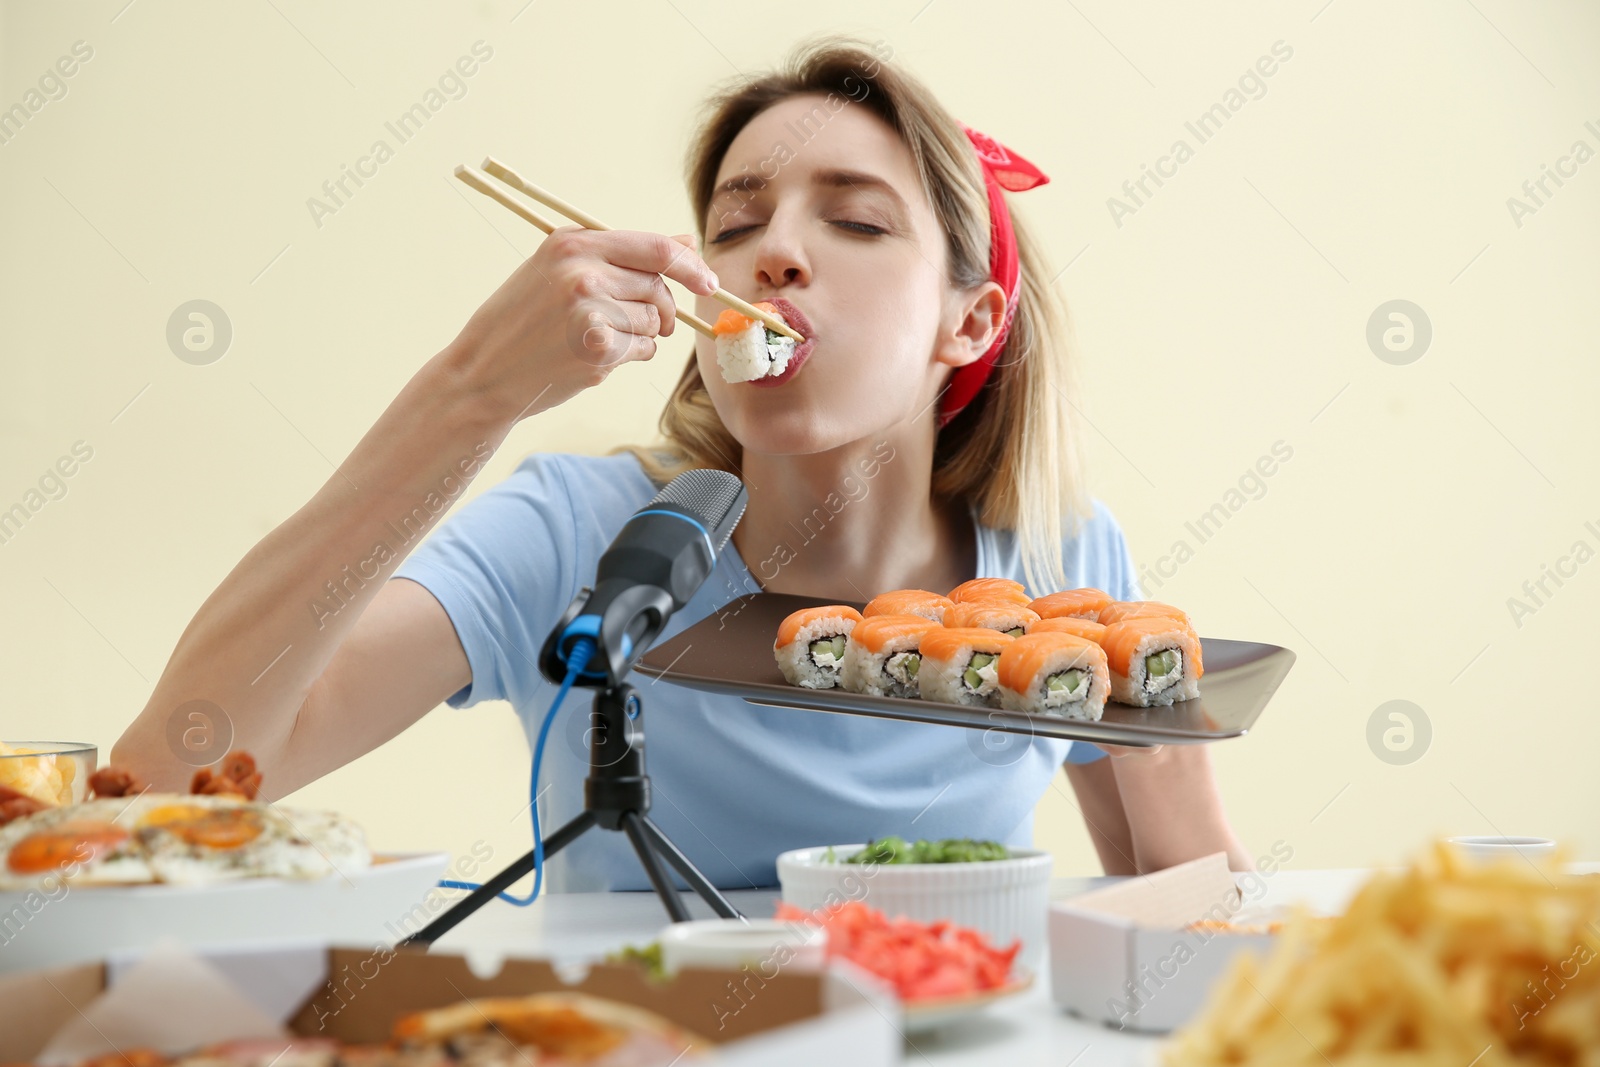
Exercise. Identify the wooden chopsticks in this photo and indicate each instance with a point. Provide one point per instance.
(583, 218)
(474, 179)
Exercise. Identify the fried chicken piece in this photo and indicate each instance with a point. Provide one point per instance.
(18, 805)
(241, 768)
(113, 781)
(208, 783)
(235, 776)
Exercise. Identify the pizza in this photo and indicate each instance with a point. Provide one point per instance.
(562, 1029)
(554, 1028)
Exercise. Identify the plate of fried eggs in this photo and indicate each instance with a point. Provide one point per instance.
(177, 839)
(205, 869)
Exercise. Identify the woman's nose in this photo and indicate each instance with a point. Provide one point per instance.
(780, 257)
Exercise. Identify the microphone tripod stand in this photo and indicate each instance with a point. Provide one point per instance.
(616, 796)
(652, 568)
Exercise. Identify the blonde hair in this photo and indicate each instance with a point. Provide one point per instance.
(1012, 452)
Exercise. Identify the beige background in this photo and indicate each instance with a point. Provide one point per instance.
(1227, 313)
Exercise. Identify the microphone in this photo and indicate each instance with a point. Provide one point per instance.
(657, 561)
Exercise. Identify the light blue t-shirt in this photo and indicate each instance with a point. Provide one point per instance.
(734, 783)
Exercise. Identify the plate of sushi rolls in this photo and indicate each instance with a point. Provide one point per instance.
(1074, 663)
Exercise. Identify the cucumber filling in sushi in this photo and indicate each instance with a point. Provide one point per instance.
(980, 673)
(1163, 670)
(1015, 631)
(902, 667)
(779, 349)
(828, 652)
(1065, 687)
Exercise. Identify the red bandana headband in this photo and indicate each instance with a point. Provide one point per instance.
(1002, 169)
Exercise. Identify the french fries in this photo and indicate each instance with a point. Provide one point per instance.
(1452, 962)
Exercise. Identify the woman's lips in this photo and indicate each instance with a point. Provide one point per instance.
(796, 318)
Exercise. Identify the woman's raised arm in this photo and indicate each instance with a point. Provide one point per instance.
(313, 656)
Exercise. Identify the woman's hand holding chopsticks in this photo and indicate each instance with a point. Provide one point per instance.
(584, 303)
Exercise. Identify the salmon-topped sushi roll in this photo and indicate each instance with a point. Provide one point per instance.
(1139, 609)
(810, 644)
(909, 602)
(1072, 603)
(1123, 610)
(1054, 674)
(1004, 589)
(747, 348)
(999, 615)
(1069, 624)
(958, 665)
(882, 656)
(1153, 660)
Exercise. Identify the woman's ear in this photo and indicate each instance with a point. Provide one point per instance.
(974, 322)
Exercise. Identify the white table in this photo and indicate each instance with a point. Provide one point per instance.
(1027, 1030)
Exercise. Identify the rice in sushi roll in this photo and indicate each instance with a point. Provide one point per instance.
(1072, 603)
(959, 664)
(1154, 661)
(811, 642)
(883, 655)
(1054, 674)
(909, 602)
(1012, 592)
(999, 615)
(747, 349)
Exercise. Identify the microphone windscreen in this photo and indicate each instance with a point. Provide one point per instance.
(714, 497)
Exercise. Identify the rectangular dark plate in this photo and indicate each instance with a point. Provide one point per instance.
(730, 651)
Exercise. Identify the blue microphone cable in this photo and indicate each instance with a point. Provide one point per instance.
(577, 660)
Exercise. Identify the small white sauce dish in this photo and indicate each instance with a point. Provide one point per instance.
(764, 945)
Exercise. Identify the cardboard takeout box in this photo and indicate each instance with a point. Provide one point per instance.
(1126, 955)
(173, 999)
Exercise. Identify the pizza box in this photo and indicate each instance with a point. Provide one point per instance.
(173, 999)
(1126, 955)
(69, 923)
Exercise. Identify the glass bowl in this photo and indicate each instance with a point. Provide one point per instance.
(52, 772)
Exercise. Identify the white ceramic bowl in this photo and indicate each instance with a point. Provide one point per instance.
(763, 945)
(1005, 899)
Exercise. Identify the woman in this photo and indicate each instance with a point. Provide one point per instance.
(921, 441)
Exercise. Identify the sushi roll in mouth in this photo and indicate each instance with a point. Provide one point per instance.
(810, 645)
(749, 351)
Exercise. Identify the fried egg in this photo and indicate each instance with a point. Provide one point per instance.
(88, 844)
(198, 839)
(178, 839)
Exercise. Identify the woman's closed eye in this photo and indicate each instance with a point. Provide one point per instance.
(863, 228)
(860, 227)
